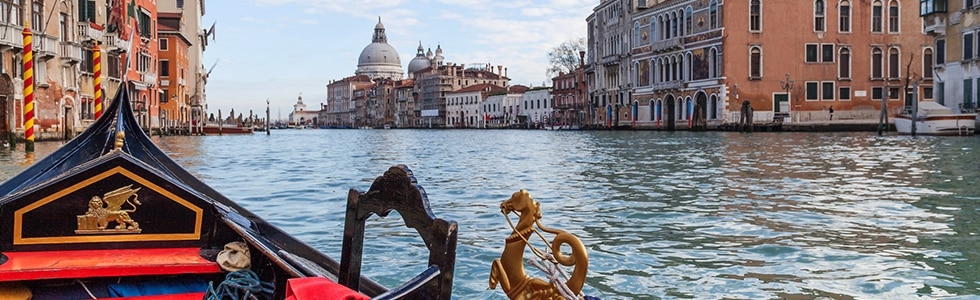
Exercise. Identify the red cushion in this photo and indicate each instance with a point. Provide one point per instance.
(319, 288)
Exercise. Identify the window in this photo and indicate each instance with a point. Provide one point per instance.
(713, 13)
(844, 63)
(164, 68)
(893, 25)
(876, 16)
(755, 16)
(37, 15)
(819, 12)
(827, 52)
(164, 44)
(86, 10)
(811, 52)
(811, 90)
(689, 20)
(876, 63)
(87, 61)
(755, 63)
(927, 93)
(893, 63)
(967, 91)
(967, 45)
(877, 93)
(111, 67)
(927, 63)
(940, 88)
(844, 93)
(845, 16)
(636, 34)
(940, 52)
(828, 91)
(893, 93)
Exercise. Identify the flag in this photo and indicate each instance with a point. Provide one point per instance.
(211, 31)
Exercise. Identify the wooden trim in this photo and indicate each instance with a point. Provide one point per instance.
(19, 215)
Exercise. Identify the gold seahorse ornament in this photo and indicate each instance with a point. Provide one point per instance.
(508, 270)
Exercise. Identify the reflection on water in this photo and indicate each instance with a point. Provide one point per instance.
(664, 215)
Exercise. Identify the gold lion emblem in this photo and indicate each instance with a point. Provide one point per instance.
(107, 209)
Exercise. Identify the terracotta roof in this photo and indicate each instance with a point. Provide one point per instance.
(517, 89)
(485, 87)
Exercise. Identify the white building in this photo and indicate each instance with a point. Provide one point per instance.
(536, 105)
(464, 109)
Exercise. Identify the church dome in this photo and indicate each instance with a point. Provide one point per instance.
(379, 59)
(420, 62)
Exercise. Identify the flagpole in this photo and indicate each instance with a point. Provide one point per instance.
(28, 89)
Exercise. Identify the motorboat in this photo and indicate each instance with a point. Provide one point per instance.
(933, 118)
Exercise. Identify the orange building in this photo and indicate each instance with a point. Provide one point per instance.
(174, 65)
(142, 60)
(797, 59)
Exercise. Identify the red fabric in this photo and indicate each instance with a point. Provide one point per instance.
(319, 288)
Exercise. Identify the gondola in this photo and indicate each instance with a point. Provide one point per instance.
(110, 215)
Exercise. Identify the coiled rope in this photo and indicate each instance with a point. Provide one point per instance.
(241, 284)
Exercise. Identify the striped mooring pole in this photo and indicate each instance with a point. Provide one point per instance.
(28, 90)
(97, 69)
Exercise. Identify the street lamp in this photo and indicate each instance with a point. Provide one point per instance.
(787, 85)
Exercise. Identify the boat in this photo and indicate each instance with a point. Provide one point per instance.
(110, 215)
(935, 119)
(212, 128)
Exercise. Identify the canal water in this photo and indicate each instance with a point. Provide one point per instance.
(664, 215)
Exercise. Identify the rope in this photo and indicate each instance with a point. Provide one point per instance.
(553, 272)
(241, 284)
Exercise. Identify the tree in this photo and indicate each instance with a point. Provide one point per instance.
(565, 57)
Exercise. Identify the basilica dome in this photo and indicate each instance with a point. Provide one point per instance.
(379, 59)
(420, 62)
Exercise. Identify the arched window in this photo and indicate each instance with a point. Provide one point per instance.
(674, 27)
(876, 63)
(845, 16)
(876, 13)
(755, 15)
(712, 68)
(653, 29)
(893, 63)
(845, 63)
(927, 63)
(893, 20)
(636, 33)
(819, 14)
(755, 63)
(713, 14)
(689, 19)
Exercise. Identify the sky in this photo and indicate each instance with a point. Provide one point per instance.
(277, 50)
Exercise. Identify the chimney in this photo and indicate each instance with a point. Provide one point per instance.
(581, 57)
(462, 70)
(505, 72)
(500, 70)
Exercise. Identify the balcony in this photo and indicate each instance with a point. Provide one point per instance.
(45, 47)
(90, 32)
(70, 53)
(11, 36)
(667, 45)
(670, 85)
(116, 44)
(935, 24)
(609, 60)
(148, 78)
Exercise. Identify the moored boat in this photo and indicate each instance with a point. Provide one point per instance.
(111, 215)
(935, 119)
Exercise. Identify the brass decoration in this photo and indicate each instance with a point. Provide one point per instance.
(120, 137)
(107, 209)
(508, 270)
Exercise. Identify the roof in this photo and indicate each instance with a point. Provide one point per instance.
(483, 87)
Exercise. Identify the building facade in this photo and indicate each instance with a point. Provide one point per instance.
(607, 70)
(174, 67)
(955, 30)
